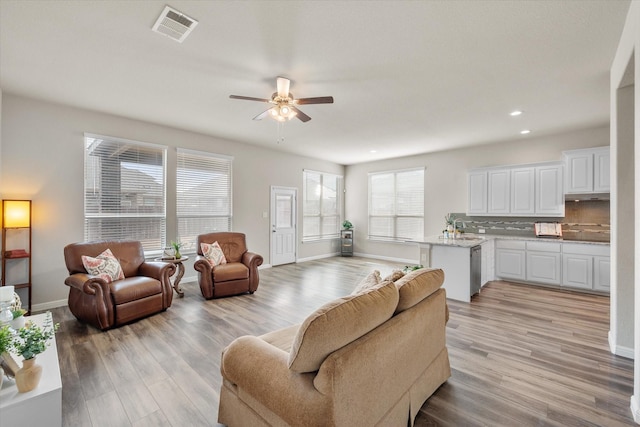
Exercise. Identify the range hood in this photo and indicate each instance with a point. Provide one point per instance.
(587, 196)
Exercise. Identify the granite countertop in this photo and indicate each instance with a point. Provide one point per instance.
(469, 240)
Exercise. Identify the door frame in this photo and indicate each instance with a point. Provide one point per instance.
(272, 191)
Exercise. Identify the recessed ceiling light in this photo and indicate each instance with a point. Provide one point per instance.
(373, 151)
(515, 113)
(524, 132)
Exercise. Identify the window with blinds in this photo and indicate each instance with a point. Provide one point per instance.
(203, 195)
(124, 191)
(396, 205)
(321, 205)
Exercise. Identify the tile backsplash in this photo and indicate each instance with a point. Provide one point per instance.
(587, 220)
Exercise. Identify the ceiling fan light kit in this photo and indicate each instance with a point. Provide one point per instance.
(284, 104)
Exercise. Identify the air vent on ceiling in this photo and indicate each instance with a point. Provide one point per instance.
(174, 24)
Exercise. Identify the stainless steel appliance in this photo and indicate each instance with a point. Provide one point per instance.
(476, 269)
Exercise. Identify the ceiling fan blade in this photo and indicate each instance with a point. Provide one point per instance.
(316, 100)
(283, 87)
(249, 98)
(302, 116)
(263, 114)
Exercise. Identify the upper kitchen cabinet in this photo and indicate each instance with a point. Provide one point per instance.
(524, 190)
(587, 171)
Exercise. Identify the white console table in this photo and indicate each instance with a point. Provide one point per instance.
(41, 406)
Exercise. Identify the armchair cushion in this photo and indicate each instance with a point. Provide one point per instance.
(340, 322)
(213, 253)
(231, 271)
(134, 288)
(105, 266)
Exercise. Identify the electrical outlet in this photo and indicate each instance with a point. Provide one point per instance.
(481, 230)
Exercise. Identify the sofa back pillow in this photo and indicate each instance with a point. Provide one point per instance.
(340, 322)
(417, 285)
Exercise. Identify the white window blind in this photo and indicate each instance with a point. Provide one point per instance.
(396, 205)
(203, 196)
(321, 205)
(124, 191)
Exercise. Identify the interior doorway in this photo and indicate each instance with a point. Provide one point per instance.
(283, 225)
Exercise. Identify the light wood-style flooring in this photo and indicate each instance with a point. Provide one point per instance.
(520, 355)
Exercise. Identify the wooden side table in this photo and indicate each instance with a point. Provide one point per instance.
(180, 272)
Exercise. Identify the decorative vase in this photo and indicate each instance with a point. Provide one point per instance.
(17, 323)
(28, 377)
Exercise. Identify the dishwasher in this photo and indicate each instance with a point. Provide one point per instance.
(476, 269)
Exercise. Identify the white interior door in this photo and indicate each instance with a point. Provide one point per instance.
(283, 225)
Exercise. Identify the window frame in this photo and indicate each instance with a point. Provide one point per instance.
(320, 214)
(395, 217)
(190, 247)
(119, 214)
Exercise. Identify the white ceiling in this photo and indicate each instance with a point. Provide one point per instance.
(407, 76)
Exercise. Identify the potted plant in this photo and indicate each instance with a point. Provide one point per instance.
(18, 318)
(6, 341)
(176, 249)
(346, 224)
(30, 341)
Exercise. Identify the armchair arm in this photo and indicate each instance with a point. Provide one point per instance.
(252, 261)
(98, 295)
(205, 276)
(161, 271)
(261, 370)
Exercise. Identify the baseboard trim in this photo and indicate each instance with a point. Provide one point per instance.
(48, 305)
(635, 409)
(387, 258)
(316, 257)
(619, 350)
(263, 266)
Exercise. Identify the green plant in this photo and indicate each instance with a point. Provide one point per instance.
(176, 248)
(449, 219)
(408, 268)
(346, 224)
(6, 339)
(18, 312)
(33, 340)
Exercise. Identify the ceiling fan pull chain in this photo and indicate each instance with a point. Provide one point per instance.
(280, 137)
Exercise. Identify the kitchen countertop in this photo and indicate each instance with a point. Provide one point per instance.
(470, 240)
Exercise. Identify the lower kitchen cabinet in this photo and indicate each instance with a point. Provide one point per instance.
(544, 262)
(510, 260)
(586, 266)
(601, 273)
(578, 271)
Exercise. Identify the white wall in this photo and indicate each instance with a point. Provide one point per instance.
(42, 159)
(625, 131)
(446, 180)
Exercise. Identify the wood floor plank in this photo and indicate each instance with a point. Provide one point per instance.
(520, 355)
(107, 411)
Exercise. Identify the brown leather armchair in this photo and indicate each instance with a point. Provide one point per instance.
(145, 290)
(238, 276)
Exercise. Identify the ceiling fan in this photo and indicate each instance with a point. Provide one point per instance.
(284, 104)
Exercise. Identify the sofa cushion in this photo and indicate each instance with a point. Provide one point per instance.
(372, 280)
(213, 253)
(105, 266)
(417, 285)
(340, 322)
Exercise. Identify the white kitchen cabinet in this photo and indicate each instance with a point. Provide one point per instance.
(544, 262)
(587, 171)
(478, 195)
(499, 187)
(586, 266)
(523, 191)
(549, 197)
(601, 273)
(510, 260)
(488, 257)
(601, 170)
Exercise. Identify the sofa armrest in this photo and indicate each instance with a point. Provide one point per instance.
(261, 370)
(252, 261)
(88, 284)
(161, 271)
(98, 297)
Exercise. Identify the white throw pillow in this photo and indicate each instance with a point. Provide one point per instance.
(213, 253)
(105, 266)
(371, 281)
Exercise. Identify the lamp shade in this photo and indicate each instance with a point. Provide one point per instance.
(16, 213)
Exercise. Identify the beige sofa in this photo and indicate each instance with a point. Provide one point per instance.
(368, 359)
